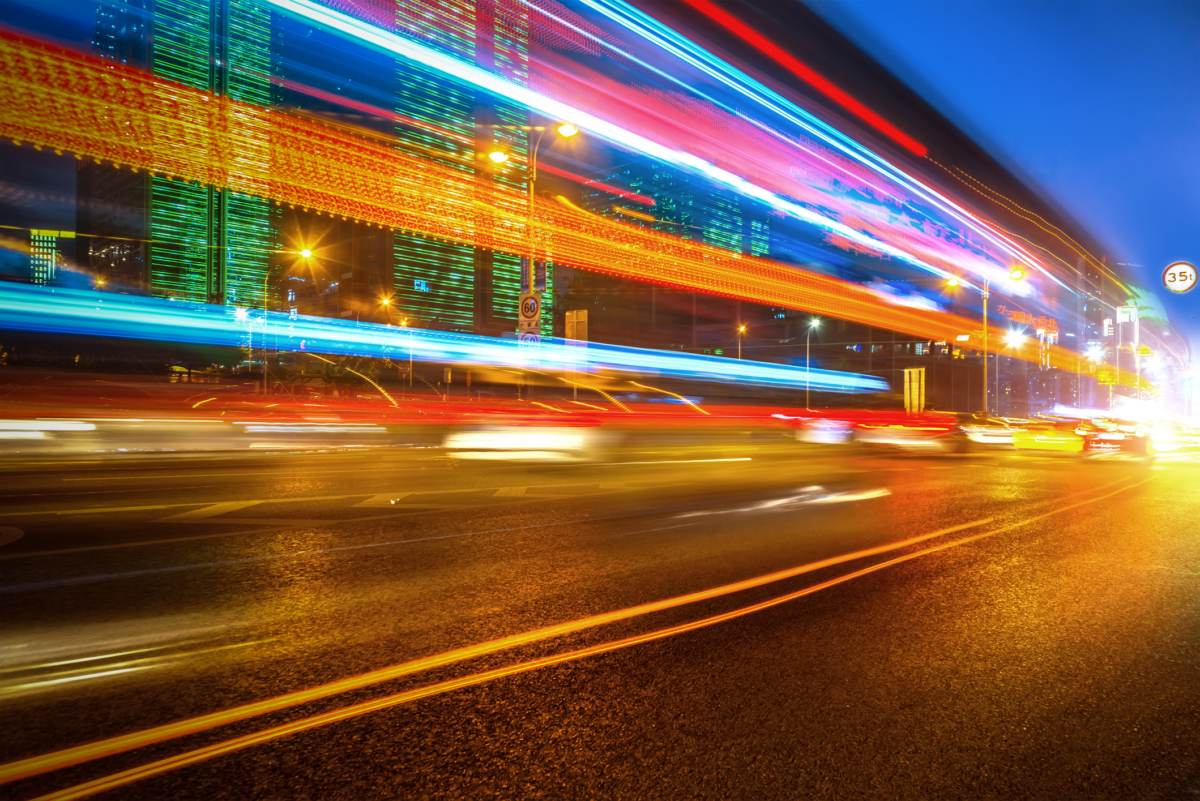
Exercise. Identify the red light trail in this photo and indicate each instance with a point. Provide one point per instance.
(808, 75)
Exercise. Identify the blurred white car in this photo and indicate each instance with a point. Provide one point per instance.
(525, 444)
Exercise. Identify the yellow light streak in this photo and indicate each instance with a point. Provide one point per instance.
(34, 766)
(360, 375)
(672, 394)
(551, 408)
(598, 390)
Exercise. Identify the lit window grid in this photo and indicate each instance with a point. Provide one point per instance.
(43, 256)
(180, 231)
(449, 25)
(182, 43)
(449, 271)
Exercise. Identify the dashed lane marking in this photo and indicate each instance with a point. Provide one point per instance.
(384, 500)
(209, 511)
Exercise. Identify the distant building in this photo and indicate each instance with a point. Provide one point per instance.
(1050, 387)
(46, 254)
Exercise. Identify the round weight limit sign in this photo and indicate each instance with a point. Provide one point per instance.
(1179, 277)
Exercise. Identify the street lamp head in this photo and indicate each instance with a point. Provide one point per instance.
(816, 323)
(953, 282)
(386, 302)
(1095, 354)
(241, 314)
(404, 323)
(498, 156)
(567, 130)
(741, 329)
(306, 253)
(99, 282)
(1016, 274)
(1015, 338)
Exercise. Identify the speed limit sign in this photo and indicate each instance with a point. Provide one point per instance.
(1179, 277)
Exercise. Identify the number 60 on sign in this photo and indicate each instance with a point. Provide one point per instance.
(1179, 277)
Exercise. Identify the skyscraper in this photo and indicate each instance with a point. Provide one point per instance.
(173, 238)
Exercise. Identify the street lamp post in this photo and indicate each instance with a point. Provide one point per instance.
(266, 278)
(565, 130)
(741, 332)
(304, 254)
(815, 323)
(1016, 274)
(404, 323)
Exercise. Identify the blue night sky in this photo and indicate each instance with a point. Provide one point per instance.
(1097, 102)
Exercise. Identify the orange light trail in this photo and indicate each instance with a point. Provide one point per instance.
(367, 707)
(305, 724)
(116, 745)
(96, 109)
(672, 394)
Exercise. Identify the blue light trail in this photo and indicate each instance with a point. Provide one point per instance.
(73, 311)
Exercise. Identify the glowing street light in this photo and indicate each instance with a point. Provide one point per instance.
(953, 282)
(1015, 274)
(1014, 338)
(741, 331)
(813, 324)
(306, 253)
(565, 130)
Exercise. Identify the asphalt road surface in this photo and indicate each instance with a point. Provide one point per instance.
(786, 622)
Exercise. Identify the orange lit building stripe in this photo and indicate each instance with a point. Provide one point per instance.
(93, 108)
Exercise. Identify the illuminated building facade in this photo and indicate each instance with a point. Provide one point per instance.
(173, 238)
(46, 254)
(194, 242)
(441, 284)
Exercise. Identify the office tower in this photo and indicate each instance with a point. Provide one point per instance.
(442, 284)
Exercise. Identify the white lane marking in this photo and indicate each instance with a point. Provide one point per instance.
(384, 499)
(113, 669)
(250, 473)
(253, 473)
(60, 663)
(36, 684)
(209, 511)
(509, 492)
(9, 534)
(306, 499)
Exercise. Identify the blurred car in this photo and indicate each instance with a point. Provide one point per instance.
(525, 443)
(1056, 436)
(981, 430)
(926, 431)
(1113, 436)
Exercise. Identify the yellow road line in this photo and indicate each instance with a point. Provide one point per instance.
(84, 753)
(115, 745)
(218, 749)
